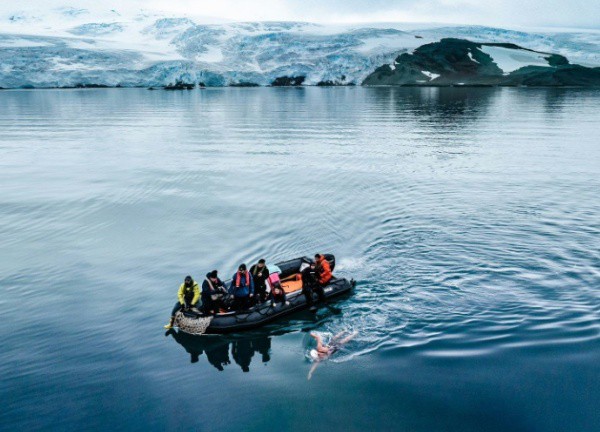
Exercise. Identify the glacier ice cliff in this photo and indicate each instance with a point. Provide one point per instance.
(75, 49)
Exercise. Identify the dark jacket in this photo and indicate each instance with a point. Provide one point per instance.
(310, 278)
(216, 288)
(259, 281)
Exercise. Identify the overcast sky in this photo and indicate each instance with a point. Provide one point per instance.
(567, 13)
(508, 13)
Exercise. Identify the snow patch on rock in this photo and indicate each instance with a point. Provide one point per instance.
(511, 59)
(471, 57)
(431, 75)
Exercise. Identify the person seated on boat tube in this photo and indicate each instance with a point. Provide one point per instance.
(242, 288)
(187, 296)
(277, 294)
(213, 291)
(323, 269)
(260, 273)
(310, 284)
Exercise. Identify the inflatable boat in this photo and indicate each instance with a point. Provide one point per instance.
(235, 321)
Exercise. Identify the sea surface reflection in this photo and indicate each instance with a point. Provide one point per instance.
(219, 350)
(469, 217)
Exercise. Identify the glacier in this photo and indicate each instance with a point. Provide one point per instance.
(73, 47)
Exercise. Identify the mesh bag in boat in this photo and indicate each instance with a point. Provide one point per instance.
(194, 326)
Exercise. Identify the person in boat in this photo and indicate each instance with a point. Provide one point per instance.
(323, 270)
(242, 288)
(324, 351)
(260, 274)
(310, 285)
(213, 291)
(187, 296)
(277, 294)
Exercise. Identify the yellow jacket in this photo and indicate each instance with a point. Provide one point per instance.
(183, 290)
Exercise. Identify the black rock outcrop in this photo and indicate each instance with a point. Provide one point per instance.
(461, 62)
(286, 81)
(180, 85)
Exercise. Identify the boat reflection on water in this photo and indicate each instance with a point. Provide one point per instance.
(220, 349)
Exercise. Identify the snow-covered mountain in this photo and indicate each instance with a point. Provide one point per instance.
(69, 46)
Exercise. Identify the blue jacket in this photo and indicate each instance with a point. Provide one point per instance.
(243, 290)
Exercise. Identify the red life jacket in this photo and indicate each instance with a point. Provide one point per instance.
(324, 271)
(238, 278)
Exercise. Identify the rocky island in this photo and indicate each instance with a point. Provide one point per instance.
(462, 62)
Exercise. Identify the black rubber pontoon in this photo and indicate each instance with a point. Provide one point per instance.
(262, 314)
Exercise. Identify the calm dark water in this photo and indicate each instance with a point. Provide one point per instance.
(470, 218)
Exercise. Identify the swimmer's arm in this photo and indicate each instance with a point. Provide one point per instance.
(348, 338)
(337, 336)
(319, 342)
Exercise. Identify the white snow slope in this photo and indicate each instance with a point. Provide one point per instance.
(68, 46)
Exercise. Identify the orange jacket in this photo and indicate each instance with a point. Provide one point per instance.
(324, 271)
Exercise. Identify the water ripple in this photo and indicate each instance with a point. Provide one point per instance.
(469, 219)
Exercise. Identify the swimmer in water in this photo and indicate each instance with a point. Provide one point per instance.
(323, 351)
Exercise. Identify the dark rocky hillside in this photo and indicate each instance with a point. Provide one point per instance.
(462, 62)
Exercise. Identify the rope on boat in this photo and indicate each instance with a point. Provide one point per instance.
(194, 326)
